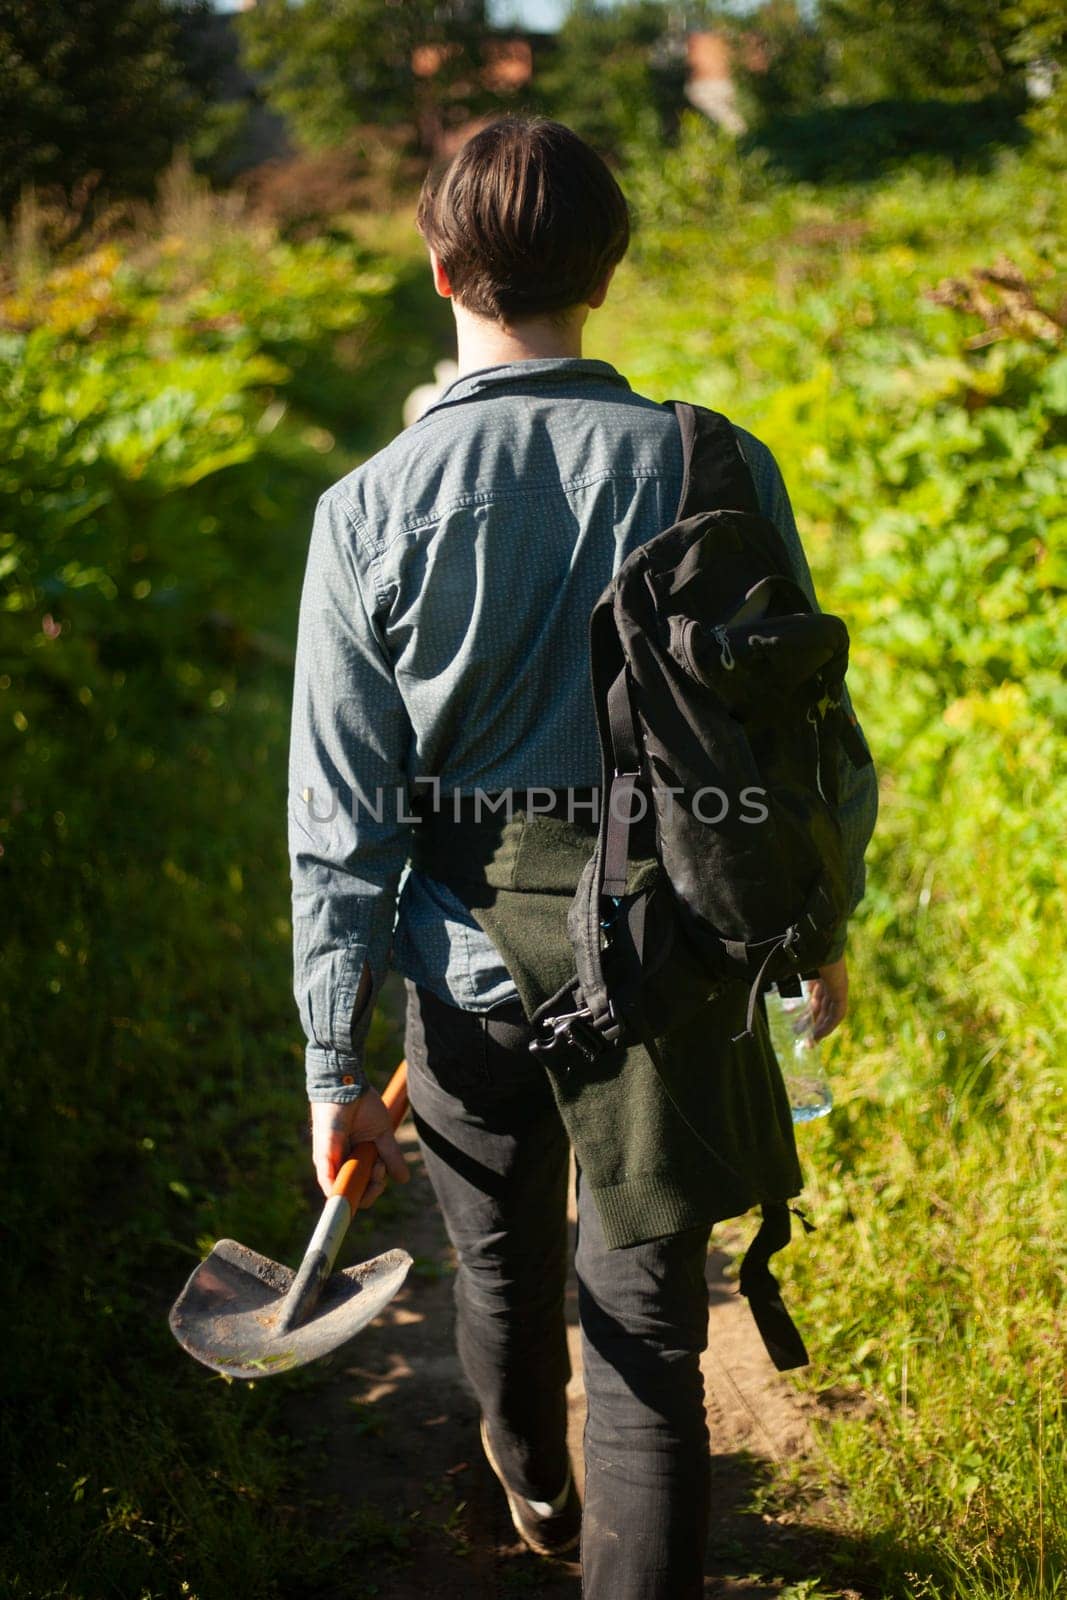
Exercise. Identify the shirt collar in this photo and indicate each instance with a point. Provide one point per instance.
(521, 374)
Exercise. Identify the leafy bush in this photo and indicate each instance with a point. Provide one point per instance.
(698, 179)
(137, 392)
(171, 407)
(172, 404)
(303, 195)
(920, 422)
(854, 143)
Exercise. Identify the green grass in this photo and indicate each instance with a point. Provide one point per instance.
(151, 1057)
(927, 468)
(152, 1060)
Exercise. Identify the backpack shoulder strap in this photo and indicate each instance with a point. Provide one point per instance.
(715, 475)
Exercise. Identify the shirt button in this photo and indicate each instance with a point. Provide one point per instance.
(348, 1078)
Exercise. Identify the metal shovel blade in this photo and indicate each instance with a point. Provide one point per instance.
(227, 1315)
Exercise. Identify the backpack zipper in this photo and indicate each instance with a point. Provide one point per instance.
(726, 655)
(813, 719)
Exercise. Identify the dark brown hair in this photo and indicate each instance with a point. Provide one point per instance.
(526, 220)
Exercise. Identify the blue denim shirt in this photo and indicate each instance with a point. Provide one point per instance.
(443, 636)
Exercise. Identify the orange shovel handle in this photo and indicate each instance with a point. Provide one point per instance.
(354, 1176)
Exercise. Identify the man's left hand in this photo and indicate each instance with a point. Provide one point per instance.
(829, 997)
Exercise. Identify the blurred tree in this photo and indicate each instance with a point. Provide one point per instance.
(780, 60)
(793, 60)
(908, 49)
(1040, 31)
(331, 65)
(611, 67)
(1039, 49)
(98, 87)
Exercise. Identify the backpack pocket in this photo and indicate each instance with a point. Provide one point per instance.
(757, 667)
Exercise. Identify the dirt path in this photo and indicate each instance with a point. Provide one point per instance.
(399, 1466)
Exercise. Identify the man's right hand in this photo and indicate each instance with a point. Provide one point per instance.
(337, 1129)
(829, 997)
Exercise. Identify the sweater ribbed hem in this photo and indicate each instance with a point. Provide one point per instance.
(653, 1205)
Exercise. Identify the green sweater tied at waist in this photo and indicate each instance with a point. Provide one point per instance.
(694, 1131)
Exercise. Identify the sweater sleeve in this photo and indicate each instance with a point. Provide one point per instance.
(857, 807)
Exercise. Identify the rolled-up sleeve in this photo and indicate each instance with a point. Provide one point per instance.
(348, 842)
(857, 786)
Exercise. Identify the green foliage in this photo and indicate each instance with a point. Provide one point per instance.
(1040, 47)
(907, 67)
(920, 423)
(171, 408)
(616, 74)
(789, 70)
(331, 65)
(98, 88)
(854, 143)
(133, 396)
(699, 177)
(1039, 31)
(883, 49)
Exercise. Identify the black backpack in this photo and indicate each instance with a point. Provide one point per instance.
(718, 693)
(719, 696)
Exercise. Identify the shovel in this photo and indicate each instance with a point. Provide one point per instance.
(248, 1317)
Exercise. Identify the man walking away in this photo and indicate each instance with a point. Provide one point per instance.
(443, 660)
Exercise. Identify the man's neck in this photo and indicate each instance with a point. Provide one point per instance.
(482, 343)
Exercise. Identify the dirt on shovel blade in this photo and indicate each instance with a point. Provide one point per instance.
(227, 1314)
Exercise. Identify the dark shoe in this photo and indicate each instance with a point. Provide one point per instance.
(551, 1528)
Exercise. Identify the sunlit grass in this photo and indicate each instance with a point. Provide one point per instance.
(152, 1057)
(934, 1289)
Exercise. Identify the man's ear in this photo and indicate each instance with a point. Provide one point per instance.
(600, 294)
(440, 276)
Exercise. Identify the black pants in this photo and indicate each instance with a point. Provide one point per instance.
(497, 1156)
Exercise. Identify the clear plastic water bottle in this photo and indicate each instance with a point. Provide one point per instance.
(792, 1029)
